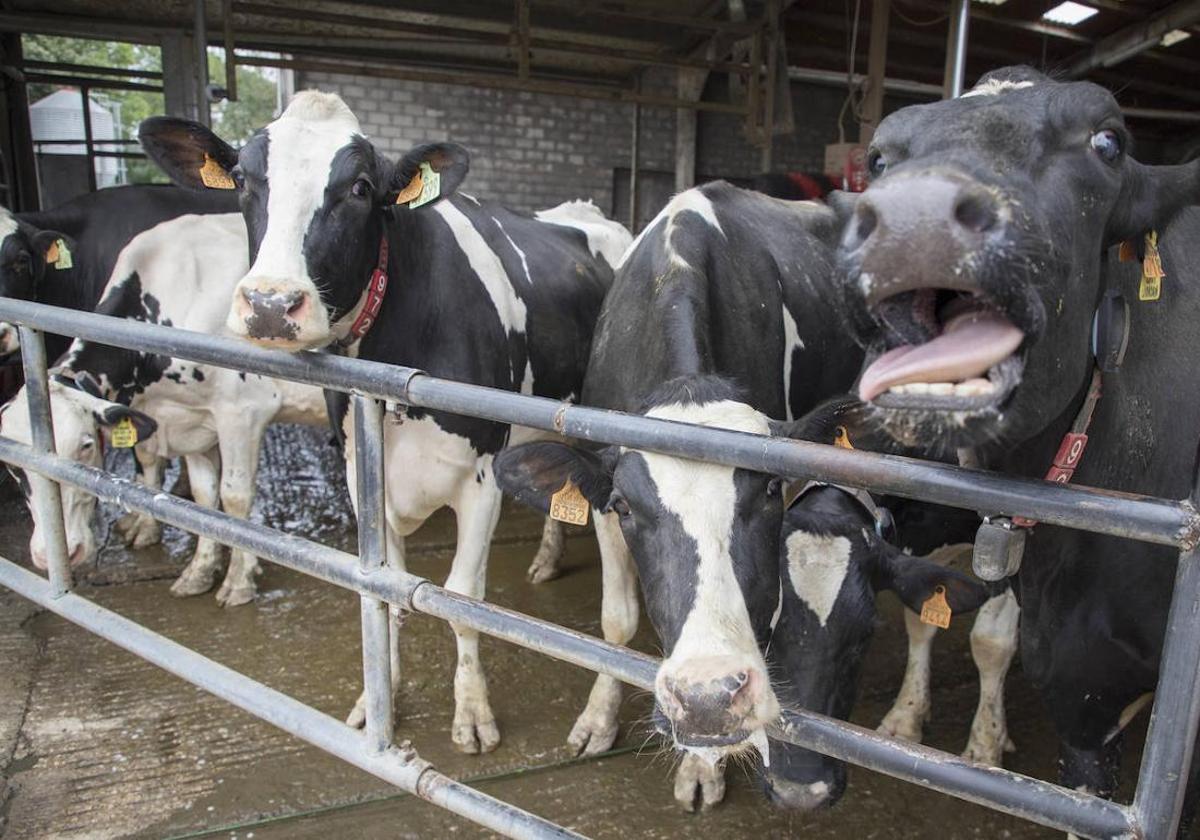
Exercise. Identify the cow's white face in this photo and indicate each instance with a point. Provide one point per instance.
(278, 303)
(80, 421)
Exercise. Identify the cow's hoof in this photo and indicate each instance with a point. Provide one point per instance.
(543, 568)
(188, 584)
(473, 736)
(358, 715)
(235, 596)
(590, 736)
(903, 725)
(698, 784)
(138, 530)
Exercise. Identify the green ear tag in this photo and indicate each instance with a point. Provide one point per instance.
(64, 255)
(431, 186)
(124, 434)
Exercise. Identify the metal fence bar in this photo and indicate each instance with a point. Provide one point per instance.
(1144, 518)
(372, 551)
(1024, 796)
(47, 500)
(401, 767)
(1167, 758)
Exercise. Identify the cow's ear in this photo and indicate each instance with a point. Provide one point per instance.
(113, 414)
(1151, 196)
(51, 248)
(190, 154)
(826, 423)
(915, 579)
(533, 472)
(427, 173)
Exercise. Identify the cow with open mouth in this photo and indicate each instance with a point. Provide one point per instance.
(387, 260)
(972, 272)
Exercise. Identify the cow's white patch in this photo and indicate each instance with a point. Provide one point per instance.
(9, 343)
(817, 567)
(694, 200)
(517, 248)
(527, 378)
(791, 343)
(605, 238)
(486, 265)
(8, 224)
(703, 496)
(995, 87)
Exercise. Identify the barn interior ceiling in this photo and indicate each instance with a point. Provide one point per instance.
(599, 45)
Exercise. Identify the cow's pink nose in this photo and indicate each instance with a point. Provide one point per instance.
(273, 313)
(709, 701)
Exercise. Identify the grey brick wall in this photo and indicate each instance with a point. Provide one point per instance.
(532, 151)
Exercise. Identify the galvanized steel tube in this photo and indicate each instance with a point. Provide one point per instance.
(1119, 514)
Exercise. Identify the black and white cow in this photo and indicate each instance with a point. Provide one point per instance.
(474, 292)
(972, 272)
(94, 228)
(179, 273)
(713, 319)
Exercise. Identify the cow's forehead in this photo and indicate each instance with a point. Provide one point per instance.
(307, 136)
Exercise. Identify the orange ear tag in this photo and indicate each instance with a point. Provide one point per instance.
(841, 438)
(411, 191)
(52, 253)
(568, 505)
(214, 175)
(935, 610)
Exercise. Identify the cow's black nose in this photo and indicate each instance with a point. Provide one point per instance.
(713, 708)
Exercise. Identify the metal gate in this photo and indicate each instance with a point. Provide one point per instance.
(1173, 726)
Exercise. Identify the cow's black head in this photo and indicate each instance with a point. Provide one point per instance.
(27, 255)
(314, 192)
(833, 559)
(971, 265)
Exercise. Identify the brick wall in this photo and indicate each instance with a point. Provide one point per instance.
(532, 151)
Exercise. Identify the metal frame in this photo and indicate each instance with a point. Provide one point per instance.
(1176, 713)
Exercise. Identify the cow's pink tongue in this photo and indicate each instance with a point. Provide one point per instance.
(969, 345)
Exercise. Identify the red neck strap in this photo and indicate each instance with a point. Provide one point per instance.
(1074, 442)
(376, 289)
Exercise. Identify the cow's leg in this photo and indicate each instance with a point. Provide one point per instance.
(595, 729)
(477, 510)
(545, 565)
(135, 529)
(198, 576)
(698, 784)
(395, 558)
(906, 719)
(993, 643)
(239, 468)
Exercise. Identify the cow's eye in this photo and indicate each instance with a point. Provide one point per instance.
(361, 188)
(1107, 144)
(86, 444)
(774, 487)
(876, 163)
(619, 506)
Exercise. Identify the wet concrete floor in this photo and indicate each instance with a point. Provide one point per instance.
(95, 743)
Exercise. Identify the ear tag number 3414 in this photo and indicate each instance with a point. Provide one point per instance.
(124, 434)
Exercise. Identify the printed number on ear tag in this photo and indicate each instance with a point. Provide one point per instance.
(935, 610)
(568, 505)
(124, 434)
(214, 175)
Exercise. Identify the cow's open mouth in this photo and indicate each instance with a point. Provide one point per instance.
(950, 351)
(730, 739)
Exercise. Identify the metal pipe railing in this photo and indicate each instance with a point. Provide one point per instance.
(1144, 518)
(401, 766)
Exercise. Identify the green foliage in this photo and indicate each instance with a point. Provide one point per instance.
(236, 121)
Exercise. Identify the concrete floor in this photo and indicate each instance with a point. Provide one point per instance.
(95, 743)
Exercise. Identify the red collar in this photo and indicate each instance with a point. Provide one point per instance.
(376, 289)
(1074, 442)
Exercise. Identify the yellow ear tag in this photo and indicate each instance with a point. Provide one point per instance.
(411, 191)
(214, 175)
(124, 434)
(935, 610)
(568, 505)
(1152, 271)
(431, 186)
(62, 255)
(841, 438)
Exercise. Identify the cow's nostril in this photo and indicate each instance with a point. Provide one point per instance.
(295, 303)
(865, 221)
(976, 211)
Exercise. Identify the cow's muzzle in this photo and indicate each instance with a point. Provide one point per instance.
(275, 313)
(713, 702)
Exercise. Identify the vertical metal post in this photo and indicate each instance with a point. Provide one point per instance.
(876, 67)
(372, 551)
(47, 500)
(956, 49)
(768, 133)
(230, 54)
(200, 43)
(89, 144)
(522, 39)
(754, 86)
(634, 154)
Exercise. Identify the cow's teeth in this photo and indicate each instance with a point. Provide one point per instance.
(898, 389)
(973, 388)
(941, 389)
(918, 387)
